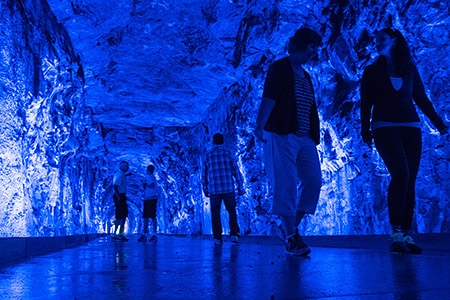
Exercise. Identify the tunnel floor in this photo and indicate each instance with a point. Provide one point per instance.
(175, 267)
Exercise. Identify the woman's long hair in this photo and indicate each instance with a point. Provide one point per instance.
(401, 55)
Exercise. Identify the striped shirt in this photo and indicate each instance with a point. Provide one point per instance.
(304, 100)
(218, 171)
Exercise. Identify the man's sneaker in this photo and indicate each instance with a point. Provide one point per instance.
(142, 239)
(235, 239)
(115, 237)
(154, 238)
(411, 246)
(217, 242)
(296, 246)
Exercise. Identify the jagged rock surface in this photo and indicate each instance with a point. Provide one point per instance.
(86, 84)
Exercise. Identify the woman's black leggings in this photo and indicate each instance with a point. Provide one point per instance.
(401, 149)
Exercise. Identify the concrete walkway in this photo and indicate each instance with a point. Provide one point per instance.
(350, 267)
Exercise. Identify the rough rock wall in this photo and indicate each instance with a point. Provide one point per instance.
(44, 187)
(355, 180)
(57, 162)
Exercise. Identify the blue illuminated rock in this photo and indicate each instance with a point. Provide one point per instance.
(85, 84)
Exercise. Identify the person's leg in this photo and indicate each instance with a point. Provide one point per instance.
(413, 146)
(298, 218)
(389, 144)
(154, 238)
(280, 154)
(121, 225)
(145, 216)
(230, 205)
(122, 212)
(294, 242)
(413, 149)
(116, 226)
(116, 215)
(145, 225)
(216, 202)
(154, 225)
(144, 230)
(152, 215)
(310, 176)
(288, 223)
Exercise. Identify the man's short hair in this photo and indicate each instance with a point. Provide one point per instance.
(218, 139)
(151, 168)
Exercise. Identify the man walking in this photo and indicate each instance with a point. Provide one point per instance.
(219, 175)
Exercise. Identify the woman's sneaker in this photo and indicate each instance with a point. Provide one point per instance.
(404, 243)
(398, 242)
(411, 246)
(154, 238)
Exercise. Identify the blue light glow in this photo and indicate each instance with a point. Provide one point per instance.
(78, 95)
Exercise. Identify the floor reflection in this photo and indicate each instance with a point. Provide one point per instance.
(404, 277)
(194, 268)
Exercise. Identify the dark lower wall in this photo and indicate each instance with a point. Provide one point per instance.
(14, 250)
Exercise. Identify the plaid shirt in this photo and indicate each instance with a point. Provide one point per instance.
(218, 171)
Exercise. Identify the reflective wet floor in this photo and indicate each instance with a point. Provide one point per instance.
(257, 268)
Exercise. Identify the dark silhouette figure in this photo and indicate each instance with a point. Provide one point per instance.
(389, 89)
(288, 124)
(150, 201)
(220, 174)
(120, 200)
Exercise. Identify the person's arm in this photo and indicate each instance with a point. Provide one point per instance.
(273, 86)
(236, 172)
(425, 105)
(116, 189)
(265, 109)
(116, 180)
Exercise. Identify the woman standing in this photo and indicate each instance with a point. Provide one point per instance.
(390, 87)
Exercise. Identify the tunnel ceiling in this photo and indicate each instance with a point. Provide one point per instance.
(152, 62)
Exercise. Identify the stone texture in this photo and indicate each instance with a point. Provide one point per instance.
(85, 84)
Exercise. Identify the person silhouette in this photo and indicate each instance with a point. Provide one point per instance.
(389, 89)
(150, 201)
(219, 176)
(120, 201)
(288, 124)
